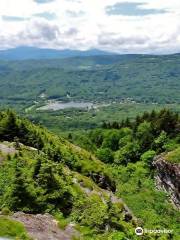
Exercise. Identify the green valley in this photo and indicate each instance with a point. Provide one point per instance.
(104, 161)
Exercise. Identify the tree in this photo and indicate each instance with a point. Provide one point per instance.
(111, 140)
(160, 141)
(8, 126)
(105, 155)
(144, 135)
(96, 137)
(128, 153)
(126, 136)
(54, 190)
(21, 196)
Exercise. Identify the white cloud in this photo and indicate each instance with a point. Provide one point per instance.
(83, 24)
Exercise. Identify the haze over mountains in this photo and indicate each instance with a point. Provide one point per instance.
(35, 53)
(25, 53)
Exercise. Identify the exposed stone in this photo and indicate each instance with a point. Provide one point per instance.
(103, 182)
(6, 148)
(168, 178)
(43, 226)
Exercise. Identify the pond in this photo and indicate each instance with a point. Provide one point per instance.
(56, 105)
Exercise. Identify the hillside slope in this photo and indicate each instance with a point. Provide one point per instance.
(48, 177)
(129, 148)
(153, 79)
(42, 173)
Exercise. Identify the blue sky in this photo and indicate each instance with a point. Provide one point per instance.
(44, 1)
(133, 26)
(131, 9)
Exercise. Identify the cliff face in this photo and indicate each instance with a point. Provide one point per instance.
(168, 178)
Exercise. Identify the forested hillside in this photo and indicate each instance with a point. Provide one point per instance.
(109, 173)
(43, 173)
(141, 78)
(130, 148)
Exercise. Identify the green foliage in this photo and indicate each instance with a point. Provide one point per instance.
(144, 134)
(105, 155)
(111, 140)
(5, 211)
(108, 215)
(148, 132)
(8, 125)
(160, 141)
(174, 156)
(148, 157)
(128, 153)
(21, 195)
(39, 178)
(62, 221)
(137, 188)
(10, 228)
(138, 143)
(49, 174)
(117, 236)
(86, 213)
(136, 77)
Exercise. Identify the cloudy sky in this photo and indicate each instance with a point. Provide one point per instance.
(132, 26)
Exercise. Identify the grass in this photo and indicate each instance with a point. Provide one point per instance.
(174, 156)
(11, 228)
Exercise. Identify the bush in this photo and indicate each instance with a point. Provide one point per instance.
(6, 211)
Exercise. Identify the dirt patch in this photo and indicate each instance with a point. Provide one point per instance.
(44, 227)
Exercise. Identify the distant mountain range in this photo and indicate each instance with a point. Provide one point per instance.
(25, 53)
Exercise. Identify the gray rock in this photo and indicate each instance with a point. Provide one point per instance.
(168, 178)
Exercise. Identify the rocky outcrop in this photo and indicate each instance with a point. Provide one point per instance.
(168, 178)
(7, 148)
(105, 196)
(45, 227)
(103, 181)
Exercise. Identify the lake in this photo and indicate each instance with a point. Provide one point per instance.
(56, 105)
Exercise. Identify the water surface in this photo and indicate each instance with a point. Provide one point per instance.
(56, 105)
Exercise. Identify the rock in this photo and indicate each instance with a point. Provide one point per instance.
(6, 148)
(103, 182)
(127, 217)
(43, 226)
(168, 178)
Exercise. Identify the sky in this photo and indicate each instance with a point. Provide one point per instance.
(132, 26)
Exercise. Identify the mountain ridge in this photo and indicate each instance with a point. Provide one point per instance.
(25, 53)
(35, 53)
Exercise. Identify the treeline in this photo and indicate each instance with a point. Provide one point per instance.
(127, 141)
(163, 120)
